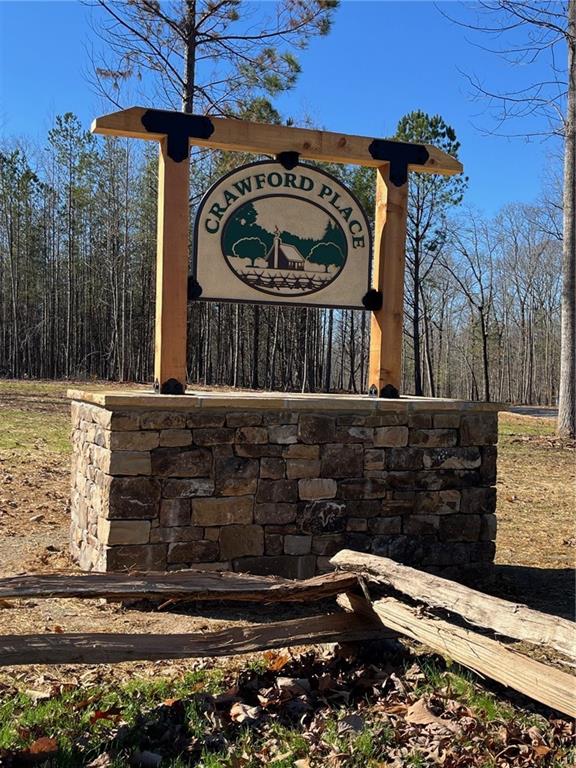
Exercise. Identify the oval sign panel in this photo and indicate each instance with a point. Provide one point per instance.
(266, 234)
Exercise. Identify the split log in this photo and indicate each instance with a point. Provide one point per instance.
(190, 585)
(509, 619)
(548, 685)
(104, 648)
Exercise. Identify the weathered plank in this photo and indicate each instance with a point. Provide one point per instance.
(191, 585)
(545, 684)
(81, 648)
(243, 136)
(510, 619)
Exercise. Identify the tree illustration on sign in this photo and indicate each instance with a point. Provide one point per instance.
(284, 246)
(327, 255)
(249, 248)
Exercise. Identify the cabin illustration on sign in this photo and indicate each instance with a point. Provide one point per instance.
(284, 256)
(287, 247)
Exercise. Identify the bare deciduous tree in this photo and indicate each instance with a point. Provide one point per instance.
(526, 31)
(473, 272)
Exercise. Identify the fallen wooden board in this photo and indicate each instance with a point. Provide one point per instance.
(509, 619)
(103, 648)
(191, 585)
(540, 682)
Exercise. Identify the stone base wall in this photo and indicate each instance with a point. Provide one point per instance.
(266, 490)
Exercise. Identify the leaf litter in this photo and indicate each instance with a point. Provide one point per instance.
(379, 709)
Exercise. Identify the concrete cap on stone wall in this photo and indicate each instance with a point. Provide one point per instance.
(273, 400)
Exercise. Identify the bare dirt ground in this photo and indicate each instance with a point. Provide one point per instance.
(536, 543)
(34, 521)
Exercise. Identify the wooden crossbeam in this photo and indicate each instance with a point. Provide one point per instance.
(189, 585)
(99, 648)
(259, 138)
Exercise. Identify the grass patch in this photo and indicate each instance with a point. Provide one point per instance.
(527, 426)
(25, 430)
(36, 414)
(27, 388)
(462, 685)
(364, 748)
(84, 721)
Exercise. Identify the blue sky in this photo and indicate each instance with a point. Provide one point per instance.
(381, 60)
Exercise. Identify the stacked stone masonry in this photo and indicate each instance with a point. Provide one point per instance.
(279, 492)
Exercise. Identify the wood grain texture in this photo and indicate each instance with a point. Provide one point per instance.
(83, 648)
(243, 136)
(385, 365)
(190, 585)
(545, 684)
(509, 619)
(171, 270)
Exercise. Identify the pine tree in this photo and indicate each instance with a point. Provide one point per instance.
(206, 56)
(430, 198)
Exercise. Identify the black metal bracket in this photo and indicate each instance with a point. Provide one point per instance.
(194, 288)
(179, 128)
(170, 387)
(288, 160)
(372, 300)
(400, 155)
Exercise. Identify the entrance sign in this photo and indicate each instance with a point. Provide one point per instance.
(269, 235)
(285, 260)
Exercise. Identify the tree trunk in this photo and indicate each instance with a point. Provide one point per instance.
(567, 403)
(256, 347)
(190, 58)
(428, 349)
(328, 370)
(363, 353)
(274, 352)
(305, 352)
(67, 342)
(485, 358)
(352, 355)
(416, 328)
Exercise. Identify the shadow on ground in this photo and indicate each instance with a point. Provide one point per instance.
(550, 590)
(541, 411)
(230, 612)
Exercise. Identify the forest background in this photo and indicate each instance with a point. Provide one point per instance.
(78, 219)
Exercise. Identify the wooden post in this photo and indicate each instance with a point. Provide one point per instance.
(385, 368)
(171, 274)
